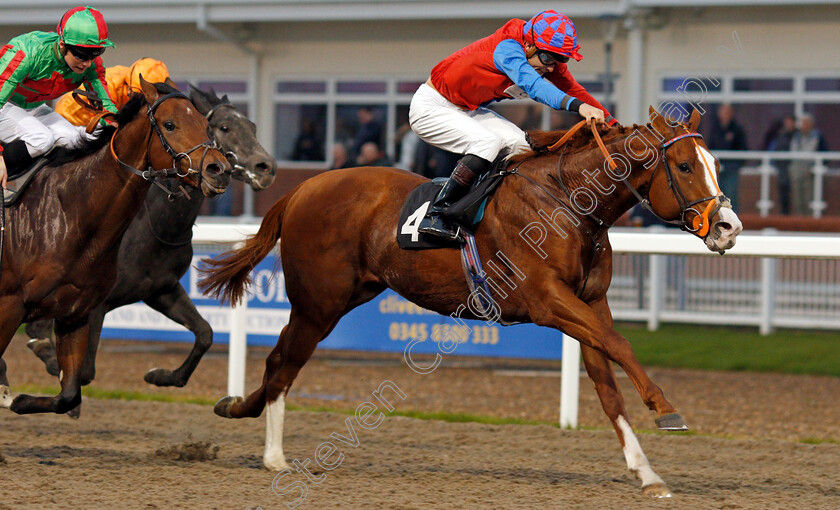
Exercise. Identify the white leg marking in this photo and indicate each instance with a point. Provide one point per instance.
(5, 397)
(273, 458)
(637, 462)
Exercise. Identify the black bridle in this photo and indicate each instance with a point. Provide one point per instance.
(155, 175)
(688, 213)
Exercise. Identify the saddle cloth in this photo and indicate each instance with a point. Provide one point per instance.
(466, 213)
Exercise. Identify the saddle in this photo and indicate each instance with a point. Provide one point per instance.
(466, 212)
(17, 182)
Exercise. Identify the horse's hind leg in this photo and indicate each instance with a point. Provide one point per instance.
(178, 306)
(295, 345)
(11, 313)
(71, 348)
(41, 343)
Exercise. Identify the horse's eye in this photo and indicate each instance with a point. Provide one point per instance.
(169, 125)
(224, 128)
(685, 168)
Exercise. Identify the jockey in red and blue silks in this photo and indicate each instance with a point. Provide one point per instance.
(37, 67)
(521, 59)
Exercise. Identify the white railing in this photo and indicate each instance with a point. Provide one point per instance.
(654, 247)
(766, 169)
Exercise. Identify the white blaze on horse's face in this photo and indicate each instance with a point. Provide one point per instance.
(722, 233)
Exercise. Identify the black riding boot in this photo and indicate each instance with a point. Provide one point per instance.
(17, 158)
(467, 170)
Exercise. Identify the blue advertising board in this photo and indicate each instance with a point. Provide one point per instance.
(388, 323)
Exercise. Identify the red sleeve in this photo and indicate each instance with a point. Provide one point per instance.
(564, 80)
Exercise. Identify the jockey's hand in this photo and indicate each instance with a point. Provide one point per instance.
(3, 174)
(590, 112)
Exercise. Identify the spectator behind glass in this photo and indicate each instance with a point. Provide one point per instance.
(408, 142)
(781, 143)
(340, 158)
(308, 146)
(370, 129)
(371, 155)
(807, 139)
(728, 135)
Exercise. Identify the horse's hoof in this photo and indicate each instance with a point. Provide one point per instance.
(671, 422)
(42, 347)
(75, 412)
(159, 377)
(275, 463)
(224, 404)
(5, 397)
(656, 490)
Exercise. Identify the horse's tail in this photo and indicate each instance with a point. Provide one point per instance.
(227, 276)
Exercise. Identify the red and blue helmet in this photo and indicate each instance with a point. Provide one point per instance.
(553, 32)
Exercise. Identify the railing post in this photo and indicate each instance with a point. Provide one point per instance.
(764, 203)
(237, 346)
(657, 290)
(818, 204)
(569, 383)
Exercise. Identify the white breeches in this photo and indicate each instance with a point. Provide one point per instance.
(481, 132)
(40, 128)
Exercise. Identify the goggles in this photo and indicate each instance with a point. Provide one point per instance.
(551, 58)
(85, 54)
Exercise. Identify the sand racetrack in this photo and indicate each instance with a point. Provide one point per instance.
(753, 450)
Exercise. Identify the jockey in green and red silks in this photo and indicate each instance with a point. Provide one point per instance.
(37, 67)
(522, 59)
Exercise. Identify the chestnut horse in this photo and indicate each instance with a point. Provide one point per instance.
(62, 237)
(339, 250)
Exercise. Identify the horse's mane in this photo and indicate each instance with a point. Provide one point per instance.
(540, 141)
(126, 114)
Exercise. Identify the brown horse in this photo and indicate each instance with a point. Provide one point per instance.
(63, 236)
(548, 220)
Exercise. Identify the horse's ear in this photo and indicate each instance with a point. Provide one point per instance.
(658, 121)
(149, 90)
(225, 99)
(171, 83)
(694, 121)
(200, 100)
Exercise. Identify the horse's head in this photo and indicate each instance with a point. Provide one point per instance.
(237, 137)
(179, 140)
(684, 185)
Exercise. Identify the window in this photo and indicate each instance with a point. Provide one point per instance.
(325, 113)
(236, 90)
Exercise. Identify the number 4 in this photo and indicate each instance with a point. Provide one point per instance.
(412, 223)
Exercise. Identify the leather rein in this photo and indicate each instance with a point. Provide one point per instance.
(698, 223)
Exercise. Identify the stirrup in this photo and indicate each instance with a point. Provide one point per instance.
(435, 225)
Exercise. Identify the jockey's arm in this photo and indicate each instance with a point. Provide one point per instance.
(563, 78)
(509, 58)
(14, 66)
(95, 81)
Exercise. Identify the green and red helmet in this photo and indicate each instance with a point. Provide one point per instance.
(84, 26)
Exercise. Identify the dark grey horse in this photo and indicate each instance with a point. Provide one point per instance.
(156, 250)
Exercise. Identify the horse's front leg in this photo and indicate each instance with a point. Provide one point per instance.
(71, 346)
(601, 372)
(579, 320)
(177, 305)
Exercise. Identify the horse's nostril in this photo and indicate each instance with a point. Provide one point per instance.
(215, 169)
(723, 226)
(263, 167)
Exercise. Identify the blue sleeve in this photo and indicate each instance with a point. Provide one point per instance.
(509, 58)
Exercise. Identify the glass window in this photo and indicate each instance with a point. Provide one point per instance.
(302, 87)
(300, 132)
(692, 85)
(224, 87)
(357, 124)
(825, 119)
(762, 85)
(408, 87)
(526, 115)
(822, 85)
(361, 87)
(760, 121)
